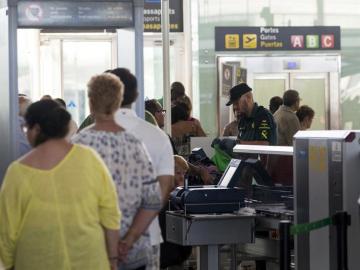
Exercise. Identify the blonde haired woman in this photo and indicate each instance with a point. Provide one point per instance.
(130, 166)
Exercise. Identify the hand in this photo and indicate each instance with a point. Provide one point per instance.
(113, 264)
(123, 250)
(206, 177)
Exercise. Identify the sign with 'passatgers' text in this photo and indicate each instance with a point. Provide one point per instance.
(75, 14)
(152, 16)
(277, 38)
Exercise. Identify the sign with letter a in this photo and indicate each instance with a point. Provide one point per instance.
(297, 41)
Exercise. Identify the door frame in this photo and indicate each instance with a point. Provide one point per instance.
(77, 37)
(177, 42)
(324, 76)
(307, 63)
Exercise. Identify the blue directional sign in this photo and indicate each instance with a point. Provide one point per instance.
(71, 104)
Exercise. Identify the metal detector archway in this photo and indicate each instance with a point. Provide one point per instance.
(124, 15)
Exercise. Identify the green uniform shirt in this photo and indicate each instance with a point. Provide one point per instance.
(259, 126)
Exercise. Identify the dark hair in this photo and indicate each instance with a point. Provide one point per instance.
(177, 90)
(46, 97)
(152, 105)
(179, 113)
(61, 102)
(130, 84)
(185, 100)
(185, 107)
(290, 97)
(51, 117)
(305, 111)
(275, 103)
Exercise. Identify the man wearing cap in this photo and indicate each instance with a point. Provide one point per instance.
(257, 125)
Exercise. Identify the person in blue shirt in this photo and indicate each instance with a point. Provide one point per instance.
(21, 139)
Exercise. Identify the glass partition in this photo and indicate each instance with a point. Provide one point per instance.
(266, 87)
(81, 60)
(312, 93)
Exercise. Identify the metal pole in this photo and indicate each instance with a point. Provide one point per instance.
(342, 221)
(209, 257)
(233, 257)
(9, 87)
(139, 56)
(188, 48)
(284, 231)
(165, 24)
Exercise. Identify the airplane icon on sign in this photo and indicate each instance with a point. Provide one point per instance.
(249, 39)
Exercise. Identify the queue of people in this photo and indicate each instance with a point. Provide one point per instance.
(91, 199)
(109, 180)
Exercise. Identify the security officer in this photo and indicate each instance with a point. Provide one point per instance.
(257, 125)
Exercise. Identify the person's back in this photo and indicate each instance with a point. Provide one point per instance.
(159, 149)
(186, 104)
(132, 173)
(182, 129)
(55, 204)
(286, 120)
(59, 213)
(280, 167)
(287, 125)
(305, 114)
(155, 140)
(130, 166)
(181, 132)
(275, 103)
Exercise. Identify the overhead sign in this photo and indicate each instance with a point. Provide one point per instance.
(277, 38)
(152, 16)
(73, 14)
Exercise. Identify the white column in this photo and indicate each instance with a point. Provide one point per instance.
(165, 20)
(8, 90)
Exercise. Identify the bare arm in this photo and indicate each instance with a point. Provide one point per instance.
(112, 239)
(167, 185)
(200, 132)
(202, 173)
(140, 223)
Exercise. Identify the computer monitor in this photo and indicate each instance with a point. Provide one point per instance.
(260, 174)
(232, 174)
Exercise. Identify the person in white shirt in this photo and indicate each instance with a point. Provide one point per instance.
(158, 146)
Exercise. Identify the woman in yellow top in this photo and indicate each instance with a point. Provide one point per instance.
(58, 203)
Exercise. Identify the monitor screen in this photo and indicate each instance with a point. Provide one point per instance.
(225, 180)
